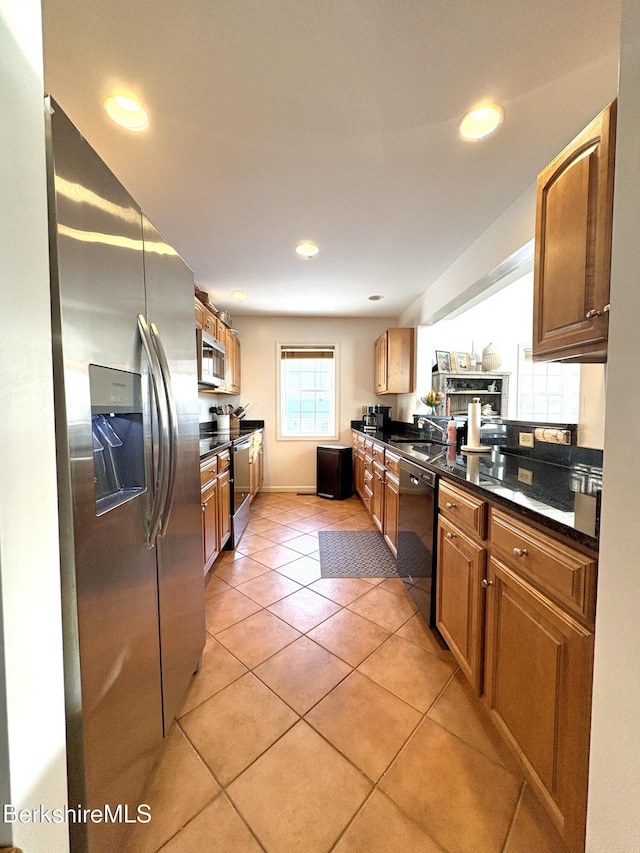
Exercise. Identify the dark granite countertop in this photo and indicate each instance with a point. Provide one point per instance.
(564, 498)
(212, 442)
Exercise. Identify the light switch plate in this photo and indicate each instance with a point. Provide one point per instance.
(526, 439)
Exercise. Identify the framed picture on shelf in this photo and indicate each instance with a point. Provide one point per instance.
(443, 360)
(461, 361)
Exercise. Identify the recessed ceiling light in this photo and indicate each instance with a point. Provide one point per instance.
(126, 112)
(307, 249)
(375, 298)
(239, 295)
(481, 121)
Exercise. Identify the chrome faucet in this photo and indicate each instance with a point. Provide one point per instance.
(422, 421)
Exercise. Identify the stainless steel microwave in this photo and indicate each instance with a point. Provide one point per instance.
(211, 360)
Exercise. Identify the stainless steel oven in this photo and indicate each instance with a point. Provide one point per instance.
(417, 536)
(240, 488)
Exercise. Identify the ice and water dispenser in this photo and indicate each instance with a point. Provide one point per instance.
(117, 435)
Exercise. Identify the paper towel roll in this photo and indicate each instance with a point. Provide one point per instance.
(473, 424)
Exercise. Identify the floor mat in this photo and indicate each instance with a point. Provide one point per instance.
(355, 554)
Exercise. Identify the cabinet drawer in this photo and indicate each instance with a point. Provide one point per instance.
(556, 568)
(391, 462)
(377, 451)
(224, 461)
(464, 507)
(208, 470)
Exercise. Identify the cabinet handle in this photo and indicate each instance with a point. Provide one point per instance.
(449, 505)
(204, 506)
(593, 313)
(451, 535)
(606, 308)
(486, 583)
(521, 552)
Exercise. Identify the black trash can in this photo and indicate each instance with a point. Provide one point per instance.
(334, 472)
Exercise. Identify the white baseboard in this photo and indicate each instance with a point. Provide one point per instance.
(297, 490)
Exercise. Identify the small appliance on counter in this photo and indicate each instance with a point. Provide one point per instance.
(376, 418)
(369, 419)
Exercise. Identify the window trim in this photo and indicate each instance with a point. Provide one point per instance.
(316, 437)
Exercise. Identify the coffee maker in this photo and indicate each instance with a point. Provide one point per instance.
(376, 418)
(369, 418)
(383, 418)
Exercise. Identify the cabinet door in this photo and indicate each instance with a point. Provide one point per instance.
(380, 363)
(209, 323)
(538, 690)
(573, 247)
(460, 598)
(391, 503)
(210, 532)
(199, 314)
(377, 505)
(224, 507)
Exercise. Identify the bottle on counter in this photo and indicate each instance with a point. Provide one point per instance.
(476, 361)
(452, 431)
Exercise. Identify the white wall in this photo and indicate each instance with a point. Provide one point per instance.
(32, 735)
(291, 465)
(613, 822)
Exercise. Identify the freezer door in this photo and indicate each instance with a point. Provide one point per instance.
(110, 600)
(169, 295)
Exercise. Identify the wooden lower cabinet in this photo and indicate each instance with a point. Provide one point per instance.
(210, 524)
(538, 675)
(216, 506)
(516, 605)
(460, 598)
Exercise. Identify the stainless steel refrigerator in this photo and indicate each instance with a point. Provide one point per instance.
(129, 488)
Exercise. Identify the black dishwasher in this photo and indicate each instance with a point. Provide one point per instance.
(417, 536)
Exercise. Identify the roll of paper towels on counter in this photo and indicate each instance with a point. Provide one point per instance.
(473, 424)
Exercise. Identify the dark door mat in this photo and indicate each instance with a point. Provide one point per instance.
(355, 554)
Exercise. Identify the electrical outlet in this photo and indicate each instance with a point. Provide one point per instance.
(526, 439)
(525, 476)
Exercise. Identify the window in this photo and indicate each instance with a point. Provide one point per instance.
(307, 405)
(547, 391)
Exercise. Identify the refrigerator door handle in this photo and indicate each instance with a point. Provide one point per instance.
(173, 426)
(161, 480)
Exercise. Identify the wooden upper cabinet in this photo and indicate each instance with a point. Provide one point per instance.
(394, 362)
(200, 314)
(232, 363)
(574, 214)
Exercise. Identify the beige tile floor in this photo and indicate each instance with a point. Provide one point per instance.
(327, 717)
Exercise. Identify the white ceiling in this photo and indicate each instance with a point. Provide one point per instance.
(273, 121)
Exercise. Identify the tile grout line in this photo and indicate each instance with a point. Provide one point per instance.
(514, 815)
